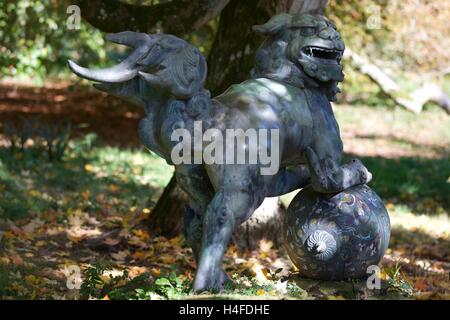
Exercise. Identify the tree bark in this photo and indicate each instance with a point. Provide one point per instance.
(166, 218)
(175, 17)
(233, 52)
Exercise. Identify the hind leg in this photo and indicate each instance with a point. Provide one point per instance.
(239, 194)
(195, 182)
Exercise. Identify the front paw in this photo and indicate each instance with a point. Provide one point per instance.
(364, 174)
(213, 282)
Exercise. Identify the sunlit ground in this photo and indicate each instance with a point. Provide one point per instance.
(88, 210)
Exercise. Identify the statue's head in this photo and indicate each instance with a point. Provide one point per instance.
(301, 49)
(159, 64)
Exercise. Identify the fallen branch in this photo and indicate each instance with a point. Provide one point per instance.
(414, 101)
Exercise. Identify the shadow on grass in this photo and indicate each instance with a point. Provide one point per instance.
(410, 180)
(33, 185)
(113, 119)
(392, 138)
(420, 245)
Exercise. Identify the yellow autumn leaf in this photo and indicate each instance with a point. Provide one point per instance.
(8, 234)
(139, 255)
(40, 243)
(176, 241)
(4, 260)
(32, 279)
(113, 188)
(166, 259)
(260, 292)
(390, 206)
(155, 272)
(384, 275)
(34, 193)
(85, 194)
(141, 234)
(335, 298)
(89, 167)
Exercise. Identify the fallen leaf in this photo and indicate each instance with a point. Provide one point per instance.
(421, 285)
(260, 292)
(111, 241)
(16, 259)
(121, 255)
(335, 298)
(32, 225)
(155, 272)
(89, 167)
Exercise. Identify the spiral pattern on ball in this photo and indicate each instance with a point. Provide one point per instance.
(321, 244)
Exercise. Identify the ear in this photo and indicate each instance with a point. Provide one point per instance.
(275, 25)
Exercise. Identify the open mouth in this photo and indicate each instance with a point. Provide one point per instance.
(323, 53)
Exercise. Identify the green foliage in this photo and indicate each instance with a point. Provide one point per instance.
(169, 287)
(203, 39)
(36, 42)
(397, 282)
(411, 179)
(94, 286)
(391, 35)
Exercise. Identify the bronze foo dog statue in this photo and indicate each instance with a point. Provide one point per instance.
(295, 76)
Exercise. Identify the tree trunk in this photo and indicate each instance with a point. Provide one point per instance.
(233, 52)
(230, 61)
(166, 218)
(175, 17)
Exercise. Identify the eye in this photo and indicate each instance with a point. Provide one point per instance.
(308, 31)
(332, 25)
(155, 68)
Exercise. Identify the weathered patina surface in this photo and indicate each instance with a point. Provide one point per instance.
(296, 74)
(337, 236)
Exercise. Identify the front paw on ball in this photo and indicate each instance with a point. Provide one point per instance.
(366, 176)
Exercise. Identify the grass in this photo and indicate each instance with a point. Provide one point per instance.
(89, 171)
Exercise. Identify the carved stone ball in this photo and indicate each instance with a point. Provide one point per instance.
(336, 236)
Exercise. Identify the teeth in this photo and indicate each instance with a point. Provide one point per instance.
(317, 52)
